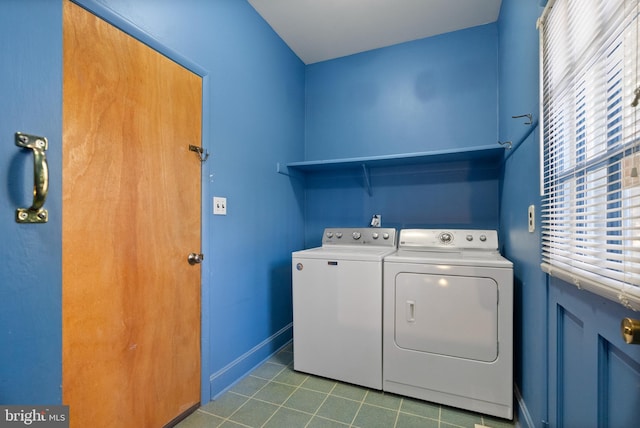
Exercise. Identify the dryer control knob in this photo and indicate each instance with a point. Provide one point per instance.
(329, 234)
(483, 238)
(385, 235)
(446, 237)
(338, 235)
(356, 235)
(375, 236)
(469, 238)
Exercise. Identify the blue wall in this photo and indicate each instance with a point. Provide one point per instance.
(518, 86)
(427, 95)
(30, 255)
(451, 195)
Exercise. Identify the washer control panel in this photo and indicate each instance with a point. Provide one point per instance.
(384, 237)
(452, 238)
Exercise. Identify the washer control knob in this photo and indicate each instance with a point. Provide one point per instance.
(375, 235)
(446, 237)
(469, 238)
(385, 235)
(483, 238)
(338, 235)
(356, 235)
(329, 234)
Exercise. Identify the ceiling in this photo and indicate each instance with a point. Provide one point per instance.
(319, 30)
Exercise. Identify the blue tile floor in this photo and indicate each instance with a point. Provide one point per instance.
(274, 395)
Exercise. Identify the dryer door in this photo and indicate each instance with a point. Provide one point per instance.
(448, 315)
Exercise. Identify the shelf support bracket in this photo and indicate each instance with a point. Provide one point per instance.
(285, 170)
(282, 169)
(367, 181)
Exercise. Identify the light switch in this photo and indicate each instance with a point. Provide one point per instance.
(532, 218)
(219, 205)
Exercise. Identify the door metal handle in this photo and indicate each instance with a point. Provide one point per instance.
(195, 259)
(630, 330)
(35, 213)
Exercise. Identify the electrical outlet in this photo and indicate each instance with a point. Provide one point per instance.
(219, 205)
(532, 218)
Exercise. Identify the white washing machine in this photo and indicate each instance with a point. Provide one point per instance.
(337, 305)
(448, 320)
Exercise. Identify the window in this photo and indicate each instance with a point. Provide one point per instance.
(590, 167)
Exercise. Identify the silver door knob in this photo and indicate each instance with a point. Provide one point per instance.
(195, 259)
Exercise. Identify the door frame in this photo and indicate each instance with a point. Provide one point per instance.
(141, 35)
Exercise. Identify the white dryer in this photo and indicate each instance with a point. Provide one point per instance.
(448, 320)
(337, 305)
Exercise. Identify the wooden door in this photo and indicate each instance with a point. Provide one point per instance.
(131, 216)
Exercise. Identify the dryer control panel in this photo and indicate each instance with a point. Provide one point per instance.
(458, 239)
(383, 237)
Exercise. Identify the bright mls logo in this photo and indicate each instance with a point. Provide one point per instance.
(34, 416)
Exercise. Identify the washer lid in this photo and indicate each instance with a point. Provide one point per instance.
(347, 252)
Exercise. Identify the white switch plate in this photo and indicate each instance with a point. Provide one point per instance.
(219, 205)
(532, 218)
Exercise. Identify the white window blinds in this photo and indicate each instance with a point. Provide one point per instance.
(591, 153)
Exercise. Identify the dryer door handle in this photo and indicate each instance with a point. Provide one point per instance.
(411, 311)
